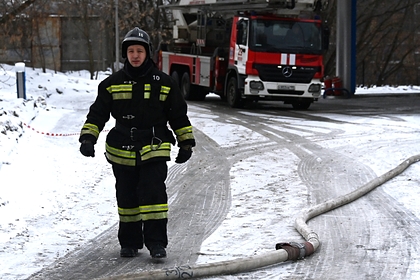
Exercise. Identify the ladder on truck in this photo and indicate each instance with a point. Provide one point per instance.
(234, 6)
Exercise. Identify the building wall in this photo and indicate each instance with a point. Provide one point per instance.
(59, 43)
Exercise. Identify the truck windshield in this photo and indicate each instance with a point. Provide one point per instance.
(285, 36)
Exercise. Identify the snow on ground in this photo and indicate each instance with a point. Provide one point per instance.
(53, 200)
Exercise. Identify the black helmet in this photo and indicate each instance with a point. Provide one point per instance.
(136, 36)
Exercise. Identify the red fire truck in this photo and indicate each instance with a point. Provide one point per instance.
(246, 50)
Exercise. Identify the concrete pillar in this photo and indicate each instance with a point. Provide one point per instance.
(346, 46)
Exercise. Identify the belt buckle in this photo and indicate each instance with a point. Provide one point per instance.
(132, 130)
(153, 146)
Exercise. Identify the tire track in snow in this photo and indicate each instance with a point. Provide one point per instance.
(356, 237)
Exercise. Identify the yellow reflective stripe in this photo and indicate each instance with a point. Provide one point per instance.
(83, 132)
(152, 154)
(183, 130)
(120, 88)
(144, 217)
(121, 91)
(129, 157)
(131, 219)
(163, 151)
(184, 133)
(143, 209)
(128, 211)
(148, 148)
(154, 208)
(164, 91)
(154, 216)
(122, 161)
(122, 95)
(119, 152)
(129, 215)
(147, 89)
(184, 137)
(89, 128)
(146, 212)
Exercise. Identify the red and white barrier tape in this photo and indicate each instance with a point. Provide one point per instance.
(53, 134)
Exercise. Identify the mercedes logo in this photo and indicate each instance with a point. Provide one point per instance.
(287, 71)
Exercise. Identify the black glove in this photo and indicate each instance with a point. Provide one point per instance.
(184, 154)
(87, 149)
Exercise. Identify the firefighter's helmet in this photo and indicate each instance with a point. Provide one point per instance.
(136, 36)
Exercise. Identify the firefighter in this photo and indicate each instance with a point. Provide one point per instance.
(143, 101)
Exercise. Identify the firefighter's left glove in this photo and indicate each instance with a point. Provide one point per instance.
(87, 148)
(184, 154)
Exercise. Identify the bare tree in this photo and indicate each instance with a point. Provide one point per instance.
(384, 41)
(146, 15)
(15, 30)
(11, 9)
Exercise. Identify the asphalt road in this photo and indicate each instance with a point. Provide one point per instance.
(211, 202)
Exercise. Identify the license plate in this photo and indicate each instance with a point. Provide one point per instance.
(284, 87)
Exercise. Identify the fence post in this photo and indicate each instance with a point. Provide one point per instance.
(20, 80)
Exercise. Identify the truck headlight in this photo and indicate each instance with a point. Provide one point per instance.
(256, 85)
(314, 88)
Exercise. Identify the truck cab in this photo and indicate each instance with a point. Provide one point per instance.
(275, 58)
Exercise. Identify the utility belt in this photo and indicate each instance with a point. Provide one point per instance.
(140, 135)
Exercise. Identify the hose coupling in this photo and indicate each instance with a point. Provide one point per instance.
(295, 251)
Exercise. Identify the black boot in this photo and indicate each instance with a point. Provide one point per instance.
(157, 251)
(128, 252)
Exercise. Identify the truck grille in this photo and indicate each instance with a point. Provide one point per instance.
(302, 74)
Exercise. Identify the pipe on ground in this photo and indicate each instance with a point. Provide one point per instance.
(284, 251)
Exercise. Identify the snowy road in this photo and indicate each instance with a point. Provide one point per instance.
(376, 237)
(335, 147)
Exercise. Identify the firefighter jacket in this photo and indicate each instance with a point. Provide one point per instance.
(142, 107)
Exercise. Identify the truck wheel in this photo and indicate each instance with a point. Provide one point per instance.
(301, 105)
(175, 76)
(186, 86)
(233, 96)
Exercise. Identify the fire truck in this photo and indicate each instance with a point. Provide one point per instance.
(246, 50)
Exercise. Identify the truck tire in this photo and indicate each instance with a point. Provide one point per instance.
(175, 76)
(186, 86)
(233, 96)
(301, 105)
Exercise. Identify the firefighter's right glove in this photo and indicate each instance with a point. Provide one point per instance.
(87, 148)
(184, 154)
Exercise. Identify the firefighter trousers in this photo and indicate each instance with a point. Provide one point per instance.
(142, 204)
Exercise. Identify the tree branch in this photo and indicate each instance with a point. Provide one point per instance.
(16, 11)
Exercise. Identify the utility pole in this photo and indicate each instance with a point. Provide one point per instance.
(117, 39)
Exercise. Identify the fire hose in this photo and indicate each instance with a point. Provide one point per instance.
(290, 251)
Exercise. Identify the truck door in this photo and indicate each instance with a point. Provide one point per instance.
(241, 46)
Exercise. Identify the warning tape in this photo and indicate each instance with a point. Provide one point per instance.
(49, 133)
(54, 134)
